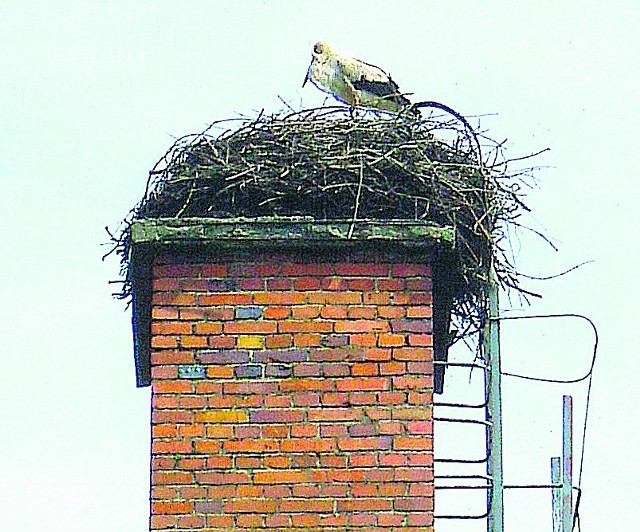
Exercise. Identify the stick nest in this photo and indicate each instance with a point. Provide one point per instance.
(328, 164)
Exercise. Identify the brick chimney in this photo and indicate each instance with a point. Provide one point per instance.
(292, 372)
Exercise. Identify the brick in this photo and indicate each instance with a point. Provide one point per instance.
(362, 269)
(278, 340)
(277, 313)
(279, 283)
(306, 283)
(306, 269)
(208, 328)
(250, 342)
(364, 313)
(305, 312)
(174, 299)
(171, 507)
(361, 326)
(164, 372)
(391, 340)
(363, 383)
(255, 284)
(282, 355)
(239, 298)
(363, 339)
(294, 326)
(165, 342)
(279, 298)
(278, 370)
(364, 505)
(334, 414)
(251, 446)
(306, 399)
(171, 416)
(412, 383)
(336, 312)
(306, 384)
(412, 443)
(335, 298)
(420, 368)
(304, 505)
(412, 353)
(412, 298)
(363, 284)
(420, 340)
(414, 413)
(280, 477)
(334, 340)
(170, 327)
(223, 356)
(277, 416)
(218, 313)
(365, 444)
(246, 388)
(171, 447)
(222, 342)
(335, 399)
(250, 327)
(307, 370)
(306, 339)
(171, 478)
(248, 371)
(191, 522)
(422, 311)
(364, 369)
(411, 325)
(164, 313)
(217, 477)
(172, 386)
(190, 342)
(222, 416)
(309, 445)
(390, 284)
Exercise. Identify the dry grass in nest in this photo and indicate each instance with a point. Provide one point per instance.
(328, 164)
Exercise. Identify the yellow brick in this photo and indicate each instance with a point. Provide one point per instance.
(250, 342)
(222, 416)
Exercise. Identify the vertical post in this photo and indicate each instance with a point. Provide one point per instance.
(491, 346)
(556, 506)
(567, 463)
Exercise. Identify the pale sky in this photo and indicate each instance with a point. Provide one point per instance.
(93, 93)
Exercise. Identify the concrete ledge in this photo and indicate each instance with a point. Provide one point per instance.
(290, 230)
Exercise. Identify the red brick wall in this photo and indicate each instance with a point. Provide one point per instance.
(315, 409)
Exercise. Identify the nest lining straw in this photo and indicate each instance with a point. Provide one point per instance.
(328, 164)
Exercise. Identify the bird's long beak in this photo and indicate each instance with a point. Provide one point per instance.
(306, 77)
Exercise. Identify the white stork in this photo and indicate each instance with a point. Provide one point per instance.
(354, 82)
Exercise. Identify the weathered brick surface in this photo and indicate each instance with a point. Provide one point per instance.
(314, 411)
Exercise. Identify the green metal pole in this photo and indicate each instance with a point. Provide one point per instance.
(556, 500)
(491, 340)
(567, 463)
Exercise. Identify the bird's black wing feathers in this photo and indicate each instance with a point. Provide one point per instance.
(383, 89)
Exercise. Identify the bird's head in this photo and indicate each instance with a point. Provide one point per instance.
(320, 54)
(321, 51)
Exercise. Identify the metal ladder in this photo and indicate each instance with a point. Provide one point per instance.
(487, 414)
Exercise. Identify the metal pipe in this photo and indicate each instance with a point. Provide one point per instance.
(567, 463)
(491, 346)
(556, 512)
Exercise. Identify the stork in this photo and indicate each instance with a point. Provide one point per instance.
(354, 82)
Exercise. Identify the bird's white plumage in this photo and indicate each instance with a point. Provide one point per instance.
(354, 82)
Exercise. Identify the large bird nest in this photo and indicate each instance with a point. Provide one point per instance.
(327, 163)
